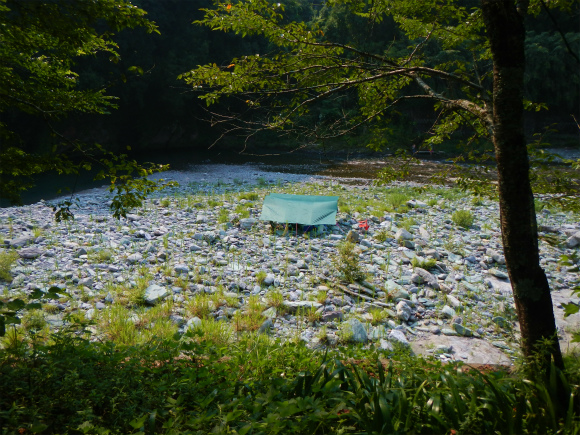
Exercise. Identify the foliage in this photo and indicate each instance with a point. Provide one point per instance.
(41, 43)
(7, 260)
(263, 386)
(11, 310)
(348, 263)
(463, 218)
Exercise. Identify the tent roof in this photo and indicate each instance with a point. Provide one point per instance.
(300, 209)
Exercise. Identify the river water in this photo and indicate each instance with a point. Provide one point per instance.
(353, 167)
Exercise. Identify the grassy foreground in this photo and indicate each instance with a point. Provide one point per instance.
(190, 385)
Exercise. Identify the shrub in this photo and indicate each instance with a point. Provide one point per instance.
(7, 260)
(348, 263)
(463, 218)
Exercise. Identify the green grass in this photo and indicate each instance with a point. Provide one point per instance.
(251, 196)
(463, 218)
(408, 223)
(223, 216)
(200, 305)
(7, 260)
(260, 277)
(209, 382)
(423, 263)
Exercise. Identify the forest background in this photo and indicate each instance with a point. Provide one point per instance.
(159, 112)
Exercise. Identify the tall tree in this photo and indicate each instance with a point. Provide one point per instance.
(466, 57)
(40, 43)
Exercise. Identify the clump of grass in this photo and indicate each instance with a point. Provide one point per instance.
(50, 308)
(101, 255)
(423, 263)
(242, 210)
(261, 181)
(165, 202)
(311, 314)
(116, 324)
(348, 263)
(383, 235)
(343, 206)
(344, 333)
(212, 332)
(223, 216)
(7, 260)
(408, 223)
(321, 296)
(247, 320)
(33, 320)
(379, 315)
(261, 277)
(274, 298)
(200, 305)
(136, 294)
(396, 199)
(251, 318)
(214, 203)
(463, 218)
(250, 196)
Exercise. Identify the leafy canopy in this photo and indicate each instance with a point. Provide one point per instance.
(41, 42)
(439, 56)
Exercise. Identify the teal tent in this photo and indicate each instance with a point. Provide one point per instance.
(300, 209)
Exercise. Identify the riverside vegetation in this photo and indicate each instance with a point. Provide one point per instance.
(185, 318)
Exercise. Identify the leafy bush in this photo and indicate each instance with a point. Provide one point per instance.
(348, 263)
(7, 260)
(196, 385)
(463, 218)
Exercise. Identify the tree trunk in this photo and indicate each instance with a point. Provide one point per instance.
(505, 27)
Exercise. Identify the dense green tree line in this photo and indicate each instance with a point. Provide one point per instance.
(156, 111)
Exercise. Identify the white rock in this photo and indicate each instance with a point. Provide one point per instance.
(155, 293)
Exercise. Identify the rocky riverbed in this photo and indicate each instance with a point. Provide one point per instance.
(197, 254)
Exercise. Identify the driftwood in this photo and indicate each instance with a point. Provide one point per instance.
(372, 301)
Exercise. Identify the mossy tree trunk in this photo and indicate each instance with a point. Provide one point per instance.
(505, 27)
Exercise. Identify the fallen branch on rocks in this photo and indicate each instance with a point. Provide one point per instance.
(372, 301)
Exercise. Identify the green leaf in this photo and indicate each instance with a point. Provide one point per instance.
(139, 422)
(11, 320)
(37, 428)
(570, 309)
(36, 294)
(16, 304)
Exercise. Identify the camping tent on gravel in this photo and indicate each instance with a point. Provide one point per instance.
(300, 209)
